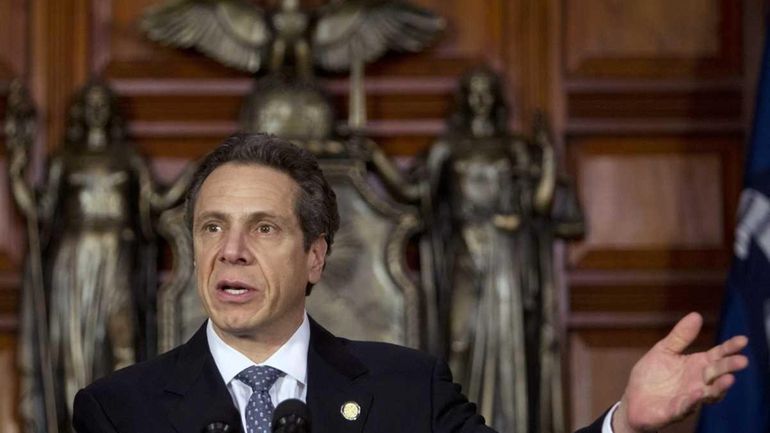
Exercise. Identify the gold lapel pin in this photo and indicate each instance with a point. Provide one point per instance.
(350, 410)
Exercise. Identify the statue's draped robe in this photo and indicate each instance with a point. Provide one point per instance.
(494, 267)
(96, 261)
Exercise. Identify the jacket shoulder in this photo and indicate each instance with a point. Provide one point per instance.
(153, 372)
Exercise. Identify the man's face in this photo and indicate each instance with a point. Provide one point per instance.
(251, 264)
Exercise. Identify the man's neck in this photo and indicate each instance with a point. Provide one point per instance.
(261, 344)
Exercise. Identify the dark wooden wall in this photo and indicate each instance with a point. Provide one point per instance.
(650, 100)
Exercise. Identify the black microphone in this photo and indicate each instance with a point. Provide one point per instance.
(218, 427)
(291, 416)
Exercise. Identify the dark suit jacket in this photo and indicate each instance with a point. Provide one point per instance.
(398, 389)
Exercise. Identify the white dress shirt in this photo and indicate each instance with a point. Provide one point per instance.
(291, 358)
(607, 424)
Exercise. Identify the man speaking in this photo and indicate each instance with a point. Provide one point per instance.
(263, 220)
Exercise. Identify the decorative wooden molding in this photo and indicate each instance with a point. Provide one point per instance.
(647, 105)
(586, 127)
(614, 290)
(635, 321)
(654, 259)
(242, 86)
(665, 277)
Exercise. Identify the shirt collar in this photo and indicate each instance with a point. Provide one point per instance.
(291, 357)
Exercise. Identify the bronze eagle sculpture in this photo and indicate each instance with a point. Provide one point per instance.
(244, 36)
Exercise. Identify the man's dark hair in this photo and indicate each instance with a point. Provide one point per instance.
(316, 203)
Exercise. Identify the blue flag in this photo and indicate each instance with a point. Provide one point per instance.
(746, 310)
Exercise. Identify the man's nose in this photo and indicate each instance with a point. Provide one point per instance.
(236, 249)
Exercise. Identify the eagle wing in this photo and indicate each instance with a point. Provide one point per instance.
(233, 32)
(367, 29)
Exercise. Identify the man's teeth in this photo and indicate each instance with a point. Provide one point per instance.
(235, 291)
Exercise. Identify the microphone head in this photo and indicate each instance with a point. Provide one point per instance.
(218, 427)
(291, 416)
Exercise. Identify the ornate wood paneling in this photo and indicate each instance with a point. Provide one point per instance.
(654, 123)
(647, 97)
(656, 202)
(652, 38)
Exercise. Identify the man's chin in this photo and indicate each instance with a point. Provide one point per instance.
(237, 328)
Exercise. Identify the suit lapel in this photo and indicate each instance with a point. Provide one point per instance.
(197, 394)
(334, 377)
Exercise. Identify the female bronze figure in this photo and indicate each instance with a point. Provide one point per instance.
(96, 235)
(497, 204)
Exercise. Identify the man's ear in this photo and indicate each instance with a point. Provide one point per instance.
(317, 258)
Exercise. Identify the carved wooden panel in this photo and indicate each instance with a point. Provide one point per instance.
(649, 201)
(652, 38)
(656, 202)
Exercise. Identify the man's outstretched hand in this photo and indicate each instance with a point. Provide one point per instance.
(666, 385)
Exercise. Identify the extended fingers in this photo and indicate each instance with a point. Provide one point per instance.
(717, 390)
(717, 369)
(729, 347)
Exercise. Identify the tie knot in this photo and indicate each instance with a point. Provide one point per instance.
(259, 377)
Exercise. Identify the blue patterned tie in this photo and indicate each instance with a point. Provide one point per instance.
(259, 410)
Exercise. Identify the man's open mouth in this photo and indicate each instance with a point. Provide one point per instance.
(234, 287)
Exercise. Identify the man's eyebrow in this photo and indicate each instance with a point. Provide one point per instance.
(257, 216)
(252, 217)
(209, 215)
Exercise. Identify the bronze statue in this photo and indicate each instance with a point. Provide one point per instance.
(242, 35)
(338, 36)
(497, 204)
(96, 241)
